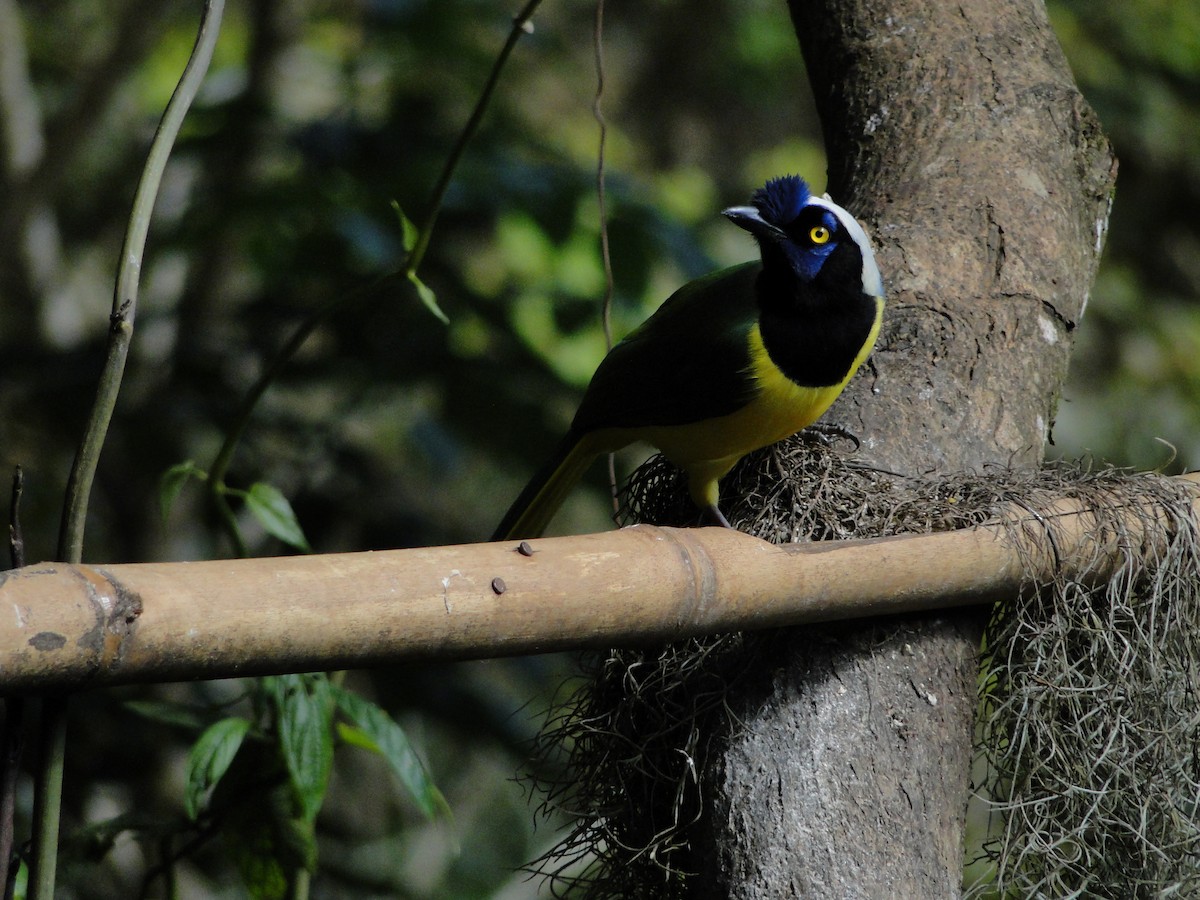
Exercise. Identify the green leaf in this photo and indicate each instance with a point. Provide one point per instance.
(179, 715)
(172, 482)
(210, 758)
(390, 740)
(408, 230)
(21, 886)
(353, 736)
(304, 710)
(276, 515)
(428, 298)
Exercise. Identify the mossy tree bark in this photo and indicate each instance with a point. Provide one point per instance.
(956, 133)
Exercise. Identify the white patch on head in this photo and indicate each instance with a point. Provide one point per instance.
(871, 279)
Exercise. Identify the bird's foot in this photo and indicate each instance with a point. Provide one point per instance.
(824, 433)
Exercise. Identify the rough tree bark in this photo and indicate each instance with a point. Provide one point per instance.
(956, 132)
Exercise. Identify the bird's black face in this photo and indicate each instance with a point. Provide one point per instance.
(799, 235)
(791, 227)
(808, 240)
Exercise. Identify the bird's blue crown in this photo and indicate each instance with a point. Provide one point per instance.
(780, 200)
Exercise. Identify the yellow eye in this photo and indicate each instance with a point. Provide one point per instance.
(819, 235)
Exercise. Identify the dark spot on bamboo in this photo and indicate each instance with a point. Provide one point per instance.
(47, 640)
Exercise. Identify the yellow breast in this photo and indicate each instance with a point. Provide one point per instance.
(709, 448)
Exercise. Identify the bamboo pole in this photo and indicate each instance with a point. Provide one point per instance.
(86, 625)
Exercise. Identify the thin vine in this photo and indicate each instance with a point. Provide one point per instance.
(601, 200)
(53, 728)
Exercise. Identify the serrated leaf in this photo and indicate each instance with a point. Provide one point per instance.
(409, 232)
(210, 758)
(171, 483)
(390, 740)
(304, 713)
(428, 297)
(276, 515)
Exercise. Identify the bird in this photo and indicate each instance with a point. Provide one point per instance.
(732, 361)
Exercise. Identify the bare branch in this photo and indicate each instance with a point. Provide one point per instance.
(92, 625)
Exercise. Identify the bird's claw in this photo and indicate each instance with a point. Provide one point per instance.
(824, 433)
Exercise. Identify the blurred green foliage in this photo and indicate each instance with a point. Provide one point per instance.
(391, 429)
(1135, 373)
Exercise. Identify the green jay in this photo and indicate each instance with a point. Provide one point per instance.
(730, 362)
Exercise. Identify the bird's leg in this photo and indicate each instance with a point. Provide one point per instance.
(822, 432)
(715, 516)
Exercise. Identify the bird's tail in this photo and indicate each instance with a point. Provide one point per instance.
(532, 511)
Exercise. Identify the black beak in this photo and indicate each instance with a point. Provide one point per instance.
(749, 218)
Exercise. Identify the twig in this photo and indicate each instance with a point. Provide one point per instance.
(47, 797)
(601, 200)
(521, 25)
(169, 856)
(16, 537)
(10, 763)
(12, 709)
(220, 467)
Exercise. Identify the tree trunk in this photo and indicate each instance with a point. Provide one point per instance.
(956, 133)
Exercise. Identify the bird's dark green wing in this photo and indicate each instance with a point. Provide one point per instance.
(686, 363)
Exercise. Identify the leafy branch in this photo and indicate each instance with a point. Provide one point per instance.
(416, 244)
